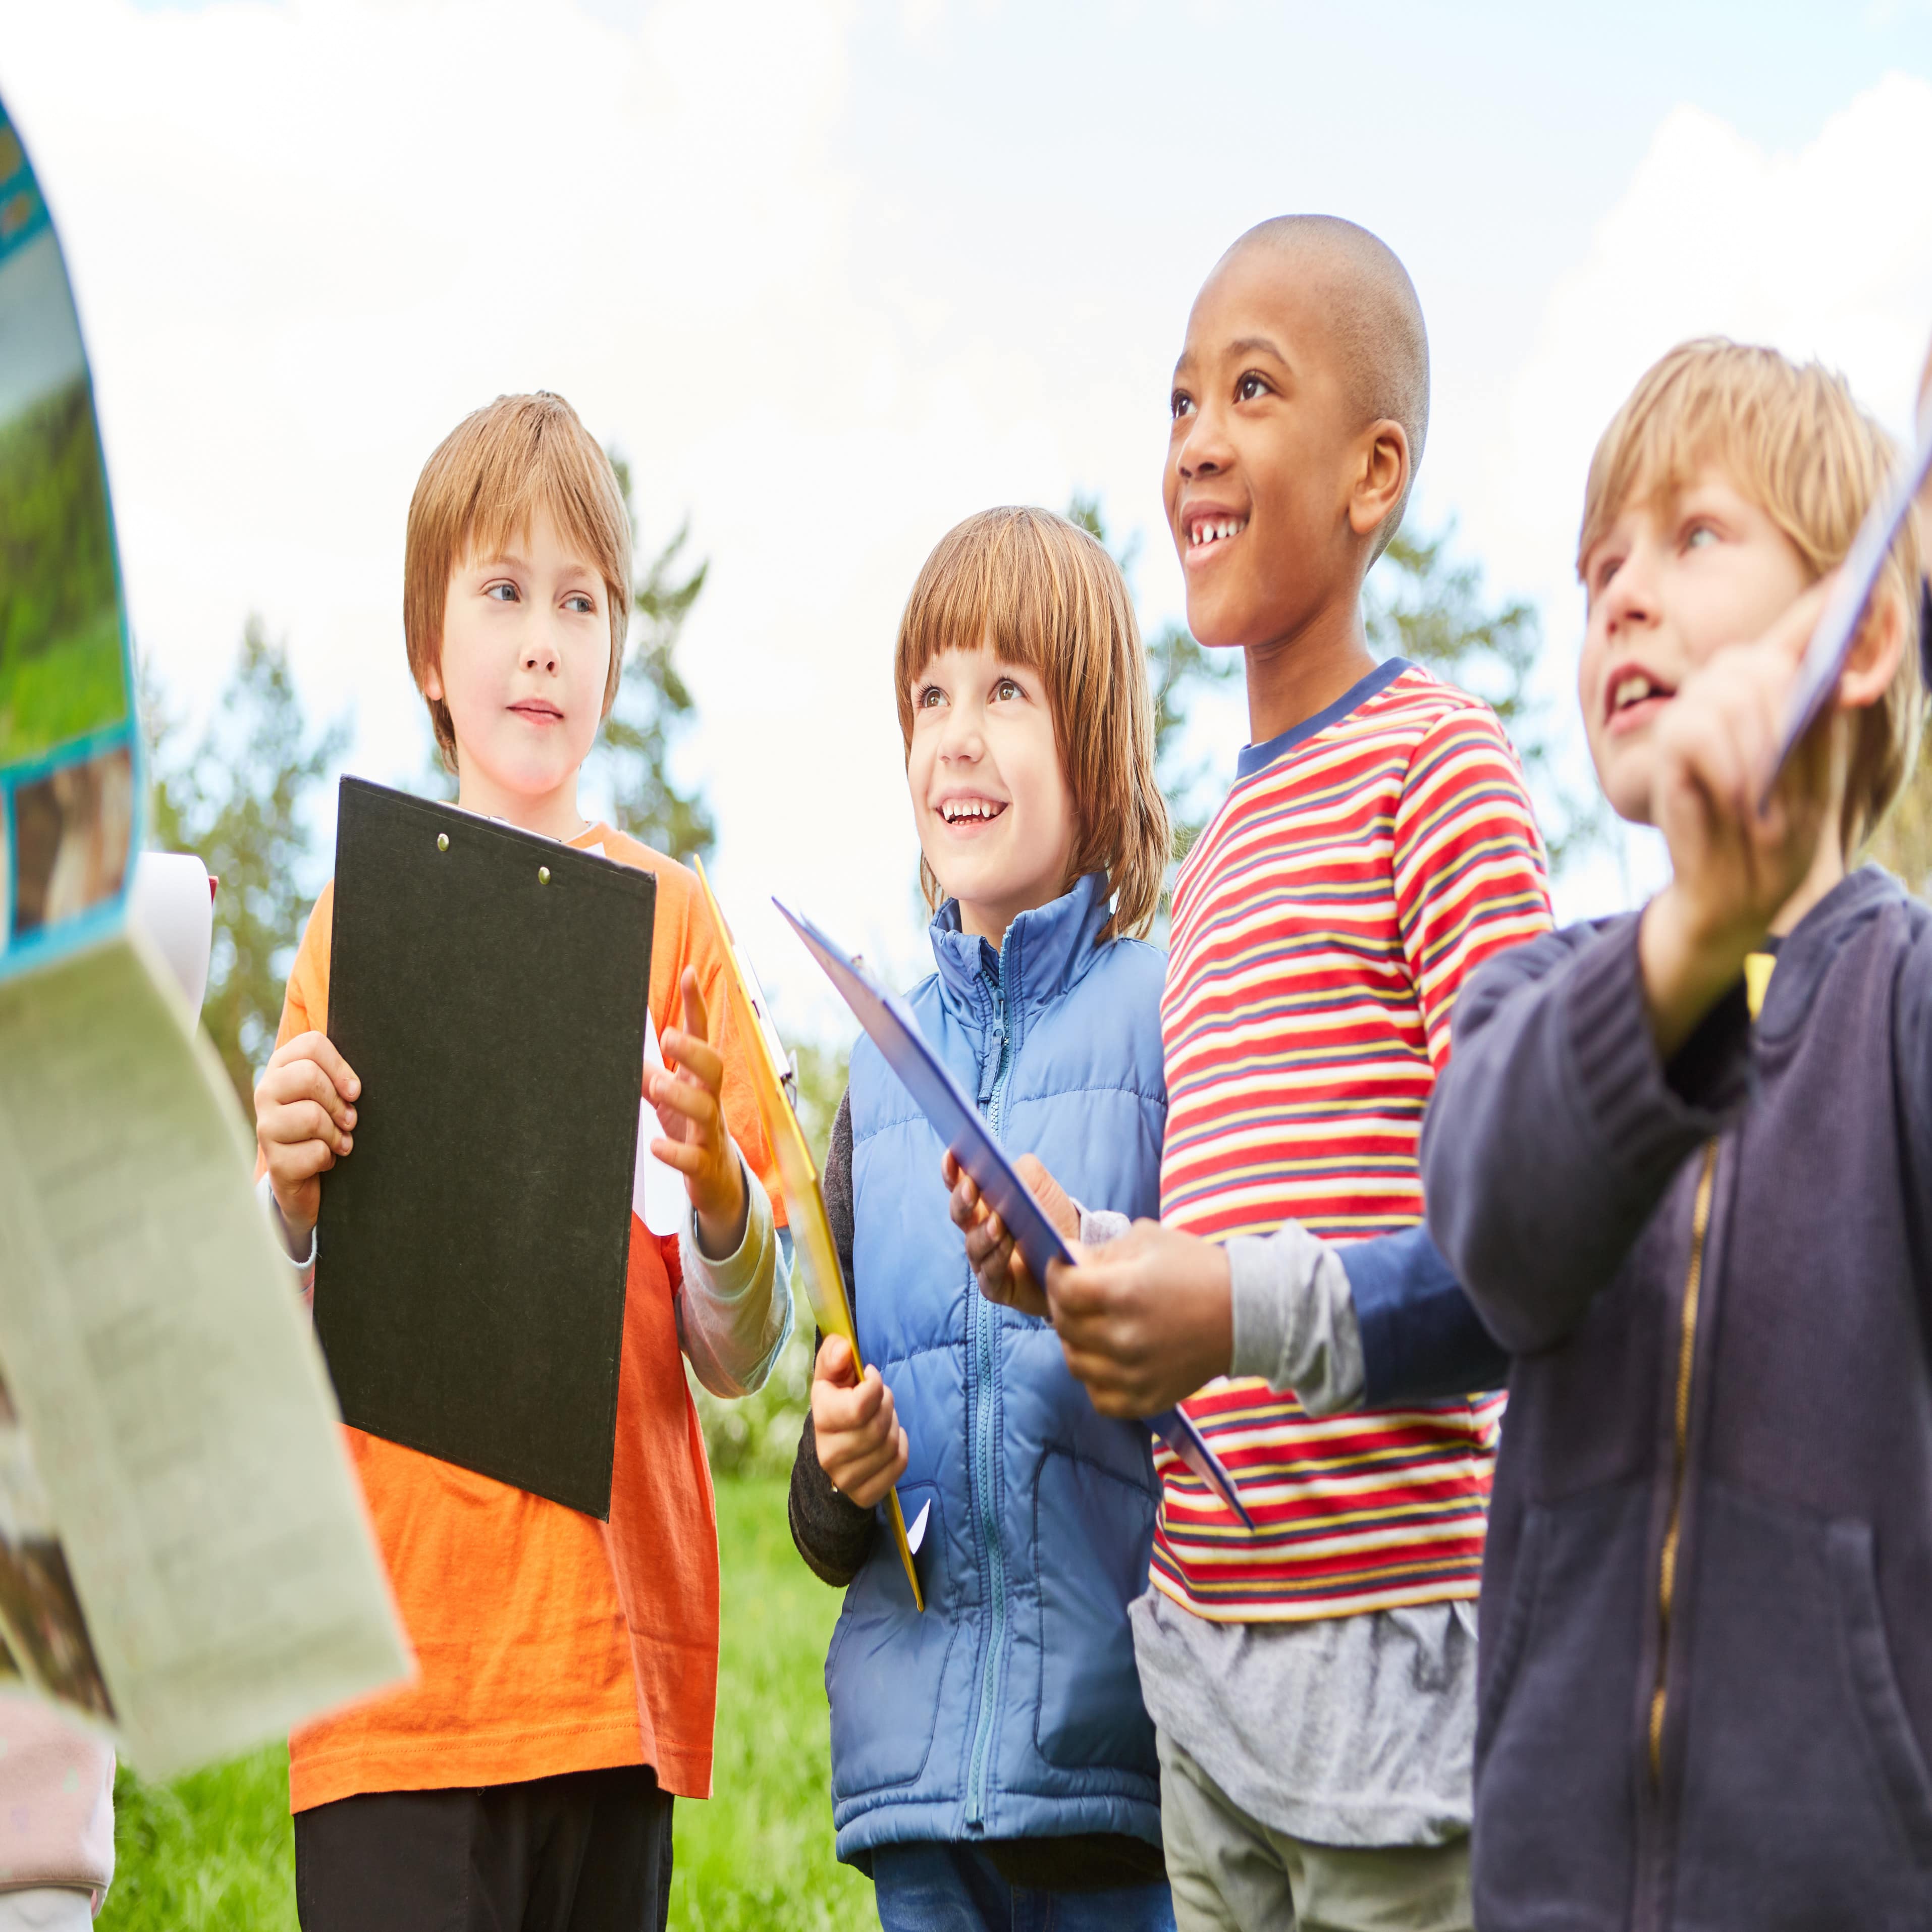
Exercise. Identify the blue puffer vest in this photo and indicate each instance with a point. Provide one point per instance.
(1011, 1708)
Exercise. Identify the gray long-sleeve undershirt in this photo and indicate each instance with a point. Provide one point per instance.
(1355, 1730)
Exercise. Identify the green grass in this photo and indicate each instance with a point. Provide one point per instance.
(214, 1851)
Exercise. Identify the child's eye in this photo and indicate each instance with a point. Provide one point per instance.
(1007, 688)
(1606, 569)
(928, 696)
(1698, 535)
(503, 591)
(581, 600)
(1249, 387)
(1179, 404)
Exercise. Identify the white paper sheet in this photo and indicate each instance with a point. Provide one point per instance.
(180, 1415)
(658, 1196)
(171, 903)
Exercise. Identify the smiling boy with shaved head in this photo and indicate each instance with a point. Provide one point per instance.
(1311, 1678)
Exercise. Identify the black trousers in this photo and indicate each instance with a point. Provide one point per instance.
(589, 1852)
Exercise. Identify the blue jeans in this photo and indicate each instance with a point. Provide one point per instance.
(954, 1888)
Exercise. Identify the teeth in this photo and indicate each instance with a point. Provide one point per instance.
(1631, 690)
(1217, 532)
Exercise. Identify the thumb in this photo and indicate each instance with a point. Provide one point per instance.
(1051, 1195)
(835, 1363)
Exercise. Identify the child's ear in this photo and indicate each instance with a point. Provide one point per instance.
(1875, 653)
(1382, 476)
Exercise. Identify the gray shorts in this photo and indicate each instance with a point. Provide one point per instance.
(1230, 1873)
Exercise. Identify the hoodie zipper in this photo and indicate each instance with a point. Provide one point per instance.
(1686, 1357)
(985, 1344)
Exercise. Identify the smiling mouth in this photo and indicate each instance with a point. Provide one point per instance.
(1205, 532)
(971, 811)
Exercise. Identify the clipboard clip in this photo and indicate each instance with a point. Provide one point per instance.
(782, 1058)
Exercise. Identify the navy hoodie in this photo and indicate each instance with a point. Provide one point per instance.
(1706, 1615)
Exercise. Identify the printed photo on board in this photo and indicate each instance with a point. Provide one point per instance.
(61, 668)
(72, 832)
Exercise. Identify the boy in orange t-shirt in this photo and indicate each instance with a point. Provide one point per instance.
(568, 1668)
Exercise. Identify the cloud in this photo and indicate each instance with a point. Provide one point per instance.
(1826, 252)
(308, 238)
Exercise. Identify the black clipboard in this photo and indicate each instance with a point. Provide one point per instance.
(491, 988)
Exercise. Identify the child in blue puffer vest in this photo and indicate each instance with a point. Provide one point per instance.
(992, 1763)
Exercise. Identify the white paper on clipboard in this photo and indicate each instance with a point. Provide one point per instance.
(658, 1196)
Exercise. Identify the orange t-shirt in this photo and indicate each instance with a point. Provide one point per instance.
(546, 1641)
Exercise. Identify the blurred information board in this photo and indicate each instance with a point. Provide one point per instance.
(185, 1558)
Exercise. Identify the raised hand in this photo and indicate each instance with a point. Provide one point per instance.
(1733, 865)
(687, 1093)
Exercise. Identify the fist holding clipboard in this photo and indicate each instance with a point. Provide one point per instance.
(896, 1032)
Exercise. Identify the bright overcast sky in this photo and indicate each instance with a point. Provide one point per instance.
(834, 276)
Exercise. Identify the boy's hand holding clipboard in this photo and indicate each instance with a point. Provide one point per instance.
(896, 1032)
(1145, 1321)
(992, 1253)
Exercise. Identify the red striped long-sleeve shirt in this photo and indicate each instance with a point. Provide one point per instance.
(1362, 866)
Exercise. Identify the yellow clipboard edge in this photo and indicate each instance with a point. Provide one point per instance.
(811, 1235)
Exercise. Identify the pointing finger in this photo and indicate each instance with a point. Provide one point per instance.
(697, 1022)
(694, 1057)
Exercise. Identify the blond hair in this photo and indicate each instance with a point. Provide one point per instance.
(477, 491)
(1793, 440)
(1041, 594)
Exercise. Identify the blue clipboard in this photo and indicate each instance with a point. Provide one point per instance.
(894, 1031)
(1824, 660)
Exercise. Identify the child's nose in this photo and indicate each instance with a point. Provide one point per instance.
(1629, 598)
(961, 739)
(540, 654)
(1203, 450)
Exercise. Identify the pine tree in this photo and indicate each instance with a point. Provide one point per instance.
(655, 708)
(240, 802)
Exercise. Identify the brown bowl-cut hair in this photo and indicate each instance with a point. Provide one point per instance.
(477, 492)
(1040, 593)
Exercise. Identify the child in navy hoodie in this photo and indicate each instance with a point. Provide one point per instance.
(1682, 1163)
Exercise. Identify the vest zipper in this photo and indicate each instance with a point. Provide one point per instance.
(985, 1325)
(1686, 1356)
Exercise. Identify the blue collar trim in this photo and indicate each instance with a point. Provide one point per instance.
(1258, 757)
